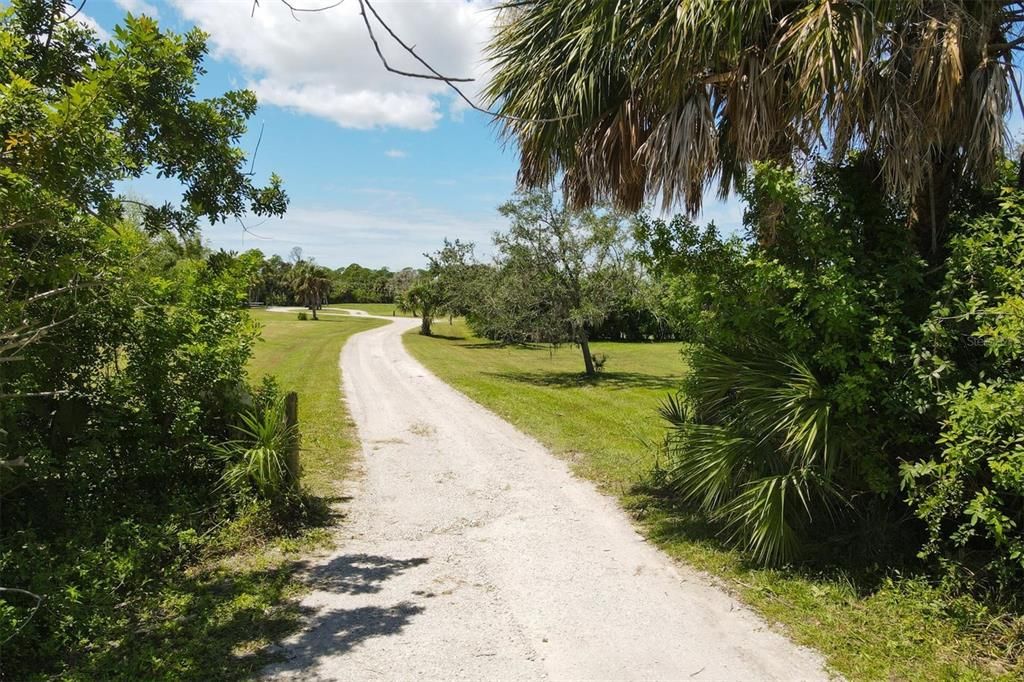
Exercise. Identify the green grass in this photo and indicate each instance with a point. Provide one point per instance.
(215, 618)
(303, 355)
(385, 309)
(877, 627)
(604, 426)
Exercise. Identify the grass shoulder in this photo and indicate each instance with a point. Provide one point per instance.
(875, 625)
(233, 592)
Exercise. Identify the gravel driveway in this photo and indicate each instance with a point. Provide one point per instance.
(470, 552)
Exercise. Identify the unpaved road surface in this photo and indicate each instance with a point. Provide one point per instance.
(470, 552)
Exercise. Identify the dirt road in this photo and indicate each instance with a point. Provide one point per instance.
(471, 552)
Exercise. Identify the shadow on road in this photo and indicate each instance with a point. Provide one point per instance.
(334, 631)
(358, 573)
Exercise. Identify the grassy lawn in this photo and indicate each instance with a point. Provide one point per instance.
(385, 309)
(605, 426)
(868, 628)
(303, 355)
(215, 619)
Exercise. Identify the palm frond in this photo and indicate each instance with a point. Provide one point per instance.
(757, 450)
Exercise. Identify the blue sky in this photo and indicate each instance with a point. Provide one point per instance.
(379, 168)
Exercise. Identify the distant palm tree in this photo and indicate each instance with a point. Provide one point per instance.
(627, 101)
(311, 284)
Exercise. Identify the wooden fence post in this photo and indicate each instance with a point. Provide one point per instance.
(291, 420)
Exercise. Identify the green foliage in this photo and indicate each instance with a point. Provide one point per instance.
(796, 343)
(357, 284)
(916, 375)
(557, 275)
(122, 341)
(258, 458)
(310, 284)
(758, 451)
(970, 362)
(446, 288)
(302, 315)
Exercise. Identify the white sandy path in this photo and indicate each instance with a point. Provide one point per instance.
(470, 552)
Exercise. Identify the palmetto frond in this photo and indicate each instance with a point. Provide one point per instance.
(756, 450)
(259, 456)
(629, 101)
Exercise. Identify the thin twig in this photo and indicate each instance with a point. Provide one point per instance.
(252, 165)
(433, 75)
(39, 603)
(363, 4)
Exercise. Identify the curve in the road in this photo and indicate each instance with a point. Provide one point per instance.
(469, 551)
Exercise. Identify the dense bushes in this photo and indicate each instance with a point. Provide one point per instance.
(836, 379)
(969, 361)
(122, 341)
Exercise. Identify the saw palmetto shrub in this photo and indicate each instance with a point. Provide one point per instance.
(843, 393)
(789, 427)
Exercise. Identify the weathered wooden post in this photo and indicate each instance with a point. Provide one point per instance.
(291, 420)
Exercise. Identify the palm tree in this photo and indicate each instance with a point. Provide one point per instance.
(757, 450)
(311, 284)
(629, 101)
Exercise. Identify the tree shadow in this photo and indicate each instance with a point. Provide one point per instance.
(359, 573)
(337, 631)
(612, 380)
(446, 337)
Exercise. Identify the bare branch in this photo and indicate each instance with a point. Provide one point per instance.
(433, 75)
(366, 4)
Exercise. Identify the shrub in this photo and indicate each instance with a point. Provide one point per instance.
(302, 315)
(970, 364)
(758, 451)
(796, 339)
(258, 460)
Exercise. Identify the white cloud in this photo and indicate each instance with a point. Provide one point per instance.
(368, 235)
(101, 33)
(138, 7)
(395, 154)
(324, 64)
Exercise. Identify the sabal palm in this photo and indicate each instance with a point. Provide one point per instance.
(310, 284)
(635, 100)
(756, 449)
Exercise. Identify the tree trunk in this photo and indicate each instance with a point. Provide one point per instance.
(931, 210)
(588, 359)
(425, 324)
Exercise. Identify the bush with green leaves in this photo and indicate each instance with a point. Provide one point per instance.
(794, 407)
(257, 459)
(122, 341)
(840, 386)
(970, 364)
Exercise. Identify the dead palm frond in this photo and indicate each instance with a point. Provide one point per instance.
(632, 101)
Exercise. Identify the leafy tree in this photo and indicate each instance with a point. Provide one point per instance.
(357, 284)
(122, 341)
(444, 288)
(557, 274)
(668, 98)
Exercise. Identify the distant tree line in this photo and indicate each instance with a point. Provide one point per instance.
(274, 282)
